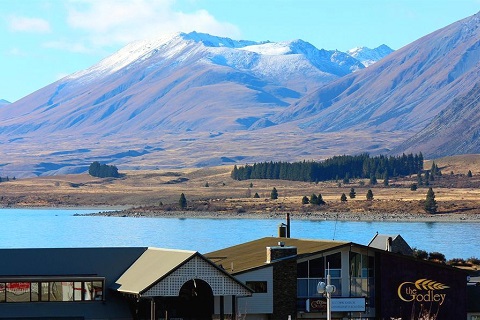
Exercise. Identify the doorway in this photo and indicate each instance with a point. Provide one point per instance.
(195, 300)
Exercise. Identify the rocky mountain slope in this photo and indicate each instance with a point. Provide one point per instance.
(402, 93)
(198, 100)
(455, 130)
(161, 94)
(182, 82)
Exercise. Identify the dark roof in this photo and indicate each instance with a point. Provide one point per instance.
(47, 262)
(252, 255)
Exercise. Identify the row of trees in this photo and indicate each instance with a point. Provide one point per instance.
(103, 170)
(430, 204)
(344, 167)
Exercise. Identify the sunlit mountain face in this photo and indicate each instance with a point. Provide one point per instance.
(194, 99)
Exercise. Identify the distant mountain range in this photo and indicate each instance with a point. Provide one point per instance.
(199, 100)
(3, 102)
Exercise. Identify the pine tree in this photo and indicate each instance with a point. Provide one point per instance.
(320, 200)
(256, 196)
(207, 185)
(343, 198)
(305, 200)
(314, 199)
(183, 201)
(274, 194)
(413, 187)
(373, 179)
(419, 179)
(469, 174)
(352, 193)
(369, 194)
(430, 205)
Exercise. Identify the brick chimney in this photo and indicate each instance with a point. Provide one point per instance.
(280, 252)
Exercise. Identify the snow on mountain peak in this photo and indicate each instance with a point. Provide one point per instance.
(4, 102)
(214, 41)
(369, 56)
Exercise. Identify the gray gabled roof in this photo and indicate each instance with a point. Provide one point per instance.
(152, 266)
(397, 244)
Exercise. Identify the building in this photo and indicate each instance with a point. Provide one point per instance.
(114, 283)
(370, 283)
(395, 244)
(269, 278)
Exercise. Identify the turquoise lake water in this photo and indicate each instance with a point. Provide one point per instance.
(47, 228)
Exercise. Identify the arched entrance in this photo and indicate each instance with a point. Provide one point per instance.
(195, 300)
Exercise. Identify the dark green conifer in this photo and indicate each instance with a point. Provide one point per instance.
(305, 200)
(274, 194)
(430, 205)
(182, 201)
(352, 193)
(369, 194)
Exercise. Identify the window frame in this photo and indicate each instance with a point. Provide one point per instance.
(45, 284)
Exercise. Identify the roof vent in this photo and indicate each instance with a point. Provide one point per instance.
(281, 244)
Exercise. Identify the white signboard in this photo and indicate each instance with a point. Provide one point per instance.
(348, 304)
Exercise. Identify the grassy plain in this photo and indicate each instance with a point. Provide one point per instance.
(158, 191)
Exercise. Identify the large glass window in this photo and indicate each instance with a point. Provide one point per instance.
(362, 277)
(311, 272)
(56, 290)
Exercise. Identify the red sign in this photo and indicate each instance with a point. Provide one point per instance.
(18, 285)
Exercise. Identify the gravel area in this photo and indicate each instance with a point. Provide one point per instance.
(344, 216)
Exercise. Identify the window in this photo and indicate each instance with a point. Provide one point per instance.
(361, 277)
(2, 291)
(311, 272)
(302, 270)
(51, 289)
(317, 268)
(257, 286)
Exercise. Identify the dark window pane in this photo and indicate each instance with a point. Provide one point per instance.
(335, 261)
(302, 270)
(317, 268)
(302, 288)
(257, 286)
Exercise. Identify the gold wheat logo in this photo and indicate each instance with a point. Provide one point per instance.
(422, 290)
(426, 284)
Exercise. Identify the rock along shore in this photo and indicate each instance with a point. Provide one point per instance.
(341, 216)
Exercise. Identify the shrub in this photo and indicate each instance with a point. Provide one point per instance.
(474, 260)
(436, 256)
(420, 254)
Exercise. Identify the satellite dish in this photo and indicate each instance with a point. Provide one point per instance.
(321, 286)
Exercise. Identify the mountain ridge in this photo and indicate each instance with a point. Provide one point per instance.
(192, 100)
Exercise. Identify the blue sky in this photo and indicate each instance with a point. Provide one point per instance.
(44, 40)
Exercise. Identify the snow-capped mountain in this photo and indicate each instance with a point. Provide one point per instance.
(401, 93)
(177, 83)
(3, 102)
(369, 56)
(188, 100)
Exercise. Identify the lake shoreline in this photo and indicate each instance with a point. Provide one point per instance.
(315, 216)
